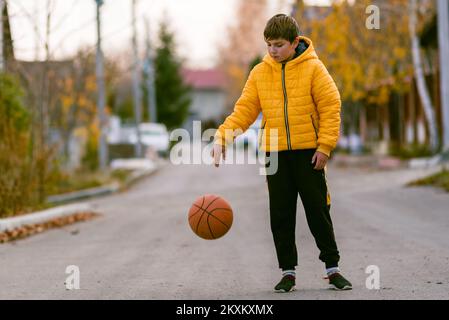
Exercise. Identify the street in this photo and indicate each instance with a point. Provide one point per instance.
(143, 248)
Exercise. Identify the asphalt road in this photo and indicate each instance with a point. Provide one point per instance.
(143, 248)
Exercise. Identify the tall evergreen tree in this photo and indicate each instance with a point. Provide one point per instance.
(172, 94)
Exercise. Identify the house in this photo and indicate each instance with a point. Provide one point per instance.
(208, 97)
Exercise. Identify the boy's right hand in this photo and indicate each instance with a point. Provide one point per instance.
(217, 152)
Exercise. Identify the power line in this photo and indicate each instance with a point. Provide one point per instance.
(67, 35)
(68, 13)
(91, 48)
(73, 32)
(34, 23)
(31, 19)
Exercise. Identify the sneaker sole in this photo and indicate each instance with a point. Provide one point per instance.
(345, 288)
(285, 291)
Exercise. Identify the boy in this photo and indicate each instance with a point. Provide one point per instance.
(299, 99)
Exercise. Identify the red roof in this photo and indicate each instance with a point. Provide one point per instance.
(204, 79)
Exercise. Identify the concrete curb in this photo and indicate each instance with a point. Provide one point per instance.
(103, 190)
(82, 194)
(69, 209)
(423, 163)
(42, 216)
(137, 175)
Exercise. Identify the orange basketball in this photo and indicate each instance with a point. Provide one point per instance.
(210, 217)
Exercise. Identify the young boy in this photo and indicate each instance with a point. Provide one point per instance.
(299, 99)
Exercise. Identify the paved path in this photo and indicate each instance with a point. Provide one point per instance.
(142, 247)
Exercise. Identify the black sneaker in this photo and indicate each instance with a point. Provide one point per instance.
(286, 284)
(338, 282)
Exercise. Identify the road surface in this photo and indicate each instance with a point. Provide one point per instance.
(143, 248)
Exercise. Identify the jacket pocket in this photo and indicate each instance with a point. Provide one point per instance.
(261, 133)
(314, 126)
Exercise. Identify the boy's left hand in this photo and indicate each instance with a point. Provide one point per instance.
(320, 160)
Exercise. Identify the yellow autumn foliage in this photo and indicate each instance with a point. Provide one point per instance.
(367, 64)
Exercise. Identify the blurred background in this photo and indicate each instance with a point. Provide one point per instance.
(85, 82)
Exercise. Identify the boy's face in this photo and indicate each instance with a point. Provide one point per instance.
(281, 50)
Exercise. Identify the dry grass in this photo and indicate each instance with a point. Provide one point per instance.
(29, 230)
(440, 180)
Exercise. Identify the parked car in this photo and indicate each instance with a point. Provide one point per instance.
(154, 135)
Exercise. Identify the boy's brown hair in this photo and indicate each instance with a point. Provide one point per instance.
(281, 26)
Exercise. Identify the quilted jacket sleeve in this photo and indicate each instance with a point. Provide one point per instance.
(245, 113)
(328, 104)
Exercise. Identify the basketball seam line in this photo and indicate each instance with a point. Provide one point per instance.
(204, 210)
(201, 207)
(210, 214)
(210, 229)
(198, 209)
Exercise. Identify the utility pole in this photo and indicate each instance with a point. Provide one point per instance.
(149, 71)
(2, 58)
(136, 84)
(44, 107)
(420, 77)
(102, 149)
(443, 44)
(36, 31)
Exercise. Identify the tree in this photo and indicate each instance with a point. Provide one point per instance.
(363, 60)
(172, 94)
(243, 45)
(443, 31)
(17, 178)
(371, 64)
(420, 78)
(77, 105)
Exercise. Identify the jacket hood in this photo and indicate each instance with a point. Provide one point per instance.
(309, 53)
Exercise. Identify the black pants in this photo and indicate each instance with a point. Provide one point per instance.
(295, 174)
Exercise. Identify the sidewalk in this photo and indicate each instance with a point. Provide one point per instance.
(66, 210)
(386, 162)
(376, 162)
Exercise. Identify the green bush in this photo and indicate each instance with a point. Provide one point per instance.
(17, 179)
(121, 175)
(410, 151)
(90, 159)
(440, 179)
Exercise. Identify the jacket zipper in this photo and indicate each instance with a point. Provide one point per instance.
(314, 128)
(285, 108)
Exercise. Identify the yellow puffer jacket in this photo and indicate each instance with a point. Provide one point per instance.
(298, 98)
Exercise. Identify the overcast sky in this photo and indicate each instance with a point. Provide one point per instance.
(199, 25)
